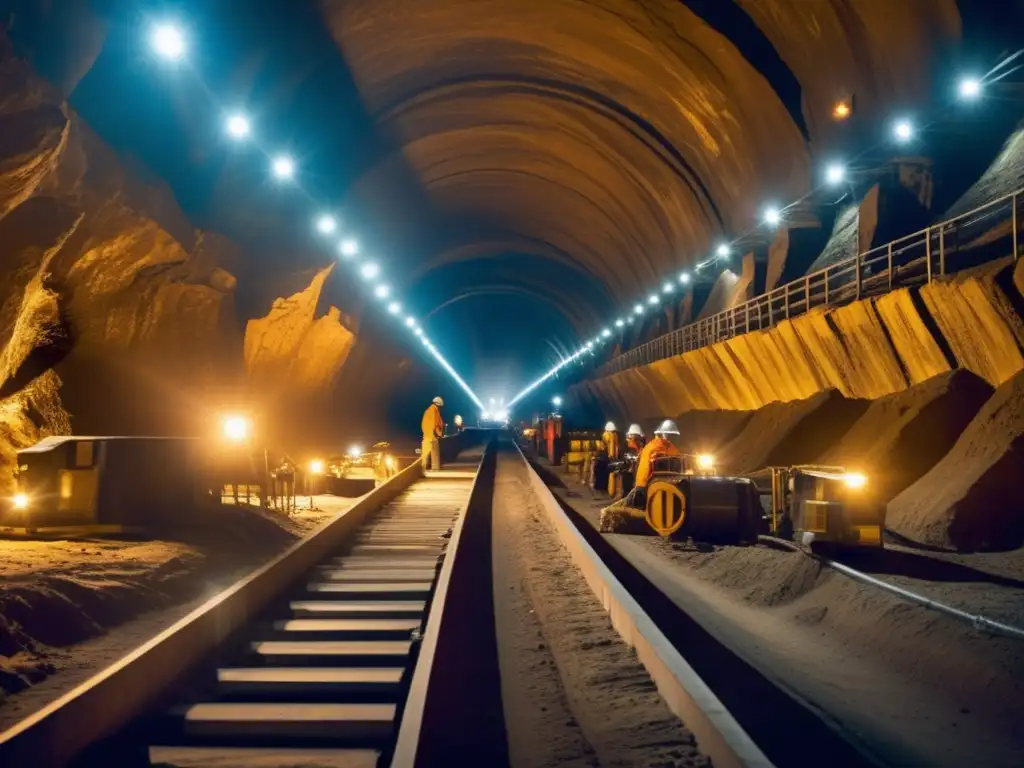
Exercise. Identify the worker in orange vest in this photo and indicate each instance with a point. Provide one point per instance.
(658, 447)
(610, 438)
(433, 431)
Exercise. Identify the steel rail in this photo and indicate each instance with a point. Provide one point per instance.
(111, 700)
(718, 734)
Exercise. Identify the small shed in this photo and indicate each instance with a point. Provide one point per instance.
(111, 482)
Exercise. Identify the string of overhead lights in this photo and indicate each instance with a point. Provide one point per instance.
(169, 42)
(903, 131)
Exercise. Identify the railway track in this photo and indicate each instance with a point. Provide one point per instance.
(318, 649)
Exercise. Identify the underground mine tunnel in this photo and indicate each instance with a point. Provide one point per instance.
(624, 382)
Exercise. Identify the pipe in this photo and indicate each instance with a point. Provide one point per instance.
(974, 619)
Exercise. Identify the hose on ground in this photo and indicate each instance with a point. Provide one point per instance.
(974, 619)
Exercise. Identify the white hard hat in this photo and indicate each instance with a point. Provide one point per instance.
(438, 401)
(609, 427)
(634, 429)
(667, 427)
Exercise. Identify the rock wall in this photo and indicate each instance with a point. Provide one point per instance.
(117, 316)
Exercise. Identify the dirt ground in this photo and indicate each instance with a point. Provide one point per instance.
(911, 686)
(74, 606)
(574, 694)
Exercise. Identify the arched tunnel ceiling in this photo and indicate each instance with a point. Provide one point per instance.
(616, 138)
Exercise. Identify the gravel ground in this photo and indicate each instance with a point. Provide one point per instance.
(911, 686)
(74, 606)
(574, 694)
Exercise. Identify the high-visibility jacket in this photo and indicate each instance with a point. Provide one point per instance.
(659, 446)
(635, 444)
(433, 424)
(611, 444)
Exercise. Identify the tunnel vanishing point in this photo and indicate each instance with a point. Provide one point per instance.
(525, 171)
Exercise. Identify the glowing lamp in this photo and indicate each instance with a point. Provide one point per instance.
(167, 41)
(235, 428)
(20, 501)
(705, 461)
(855, 480)
(316, 467)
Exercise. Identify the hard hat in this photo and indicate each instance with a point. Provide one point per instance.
(438, 401)
(634, 429)
(667, 427)
(609, 427)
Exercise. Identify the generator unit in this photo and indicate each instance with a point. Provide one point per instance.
(820, 505)
(686, 499)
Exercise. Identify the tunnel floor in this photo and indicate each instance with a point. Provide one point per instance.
(907, 685)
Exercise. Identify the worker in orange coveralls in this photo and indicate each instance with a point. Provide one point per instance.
(433, 431)
(658, 447)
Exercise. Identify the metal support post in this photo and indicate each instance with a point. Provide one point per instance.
(1013, 203)
(889, 270)
(942, 251)
(928, 251)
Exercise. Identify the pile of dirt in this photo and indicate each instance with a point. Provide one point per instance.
(971, 499)
(57, 594)
(708, 431)
(797, 432)
(903, 435)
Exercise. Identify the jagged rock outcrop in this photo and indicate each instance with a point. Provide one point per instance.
(294, 350)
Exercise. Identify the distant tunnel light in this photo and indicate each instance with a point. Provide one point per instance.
(606, 333)
(684, 277)
(394, 307)
(969, 88)
(20, 501)
(410, 321)
(369, 270)
(237, 126)
(667, 288)
(326, 224)
(652, 299)
(168, 41)
(619, 323)
(772, 216)
(556, 401)
(418, 331)
(382, 291)
(638, 309)
(835, 173)
(348, 247)
(283, 167)
(723, 250)
(903, 130)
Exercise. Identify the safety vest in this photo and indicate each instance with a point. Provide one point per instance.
(659, 446)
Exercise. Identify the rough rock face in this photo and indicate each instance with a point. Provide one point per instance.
(293, 351)
(140, 312)
(111, 304)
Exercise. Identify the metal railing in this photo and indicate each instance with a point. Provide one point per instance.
(961, 242)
